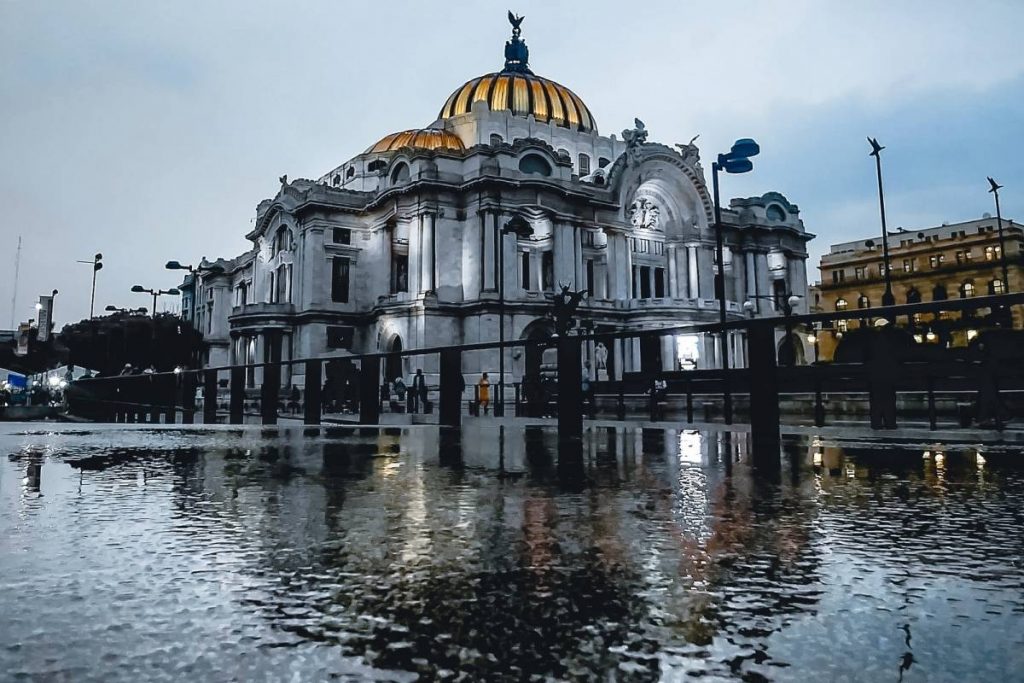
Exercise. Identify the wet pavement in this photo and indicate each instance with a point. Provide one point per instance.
(136, 554)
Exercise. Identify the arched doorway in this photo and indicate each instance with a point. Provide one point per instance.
(791, 350)
(393, 363)
(535, 356)
(650, 354)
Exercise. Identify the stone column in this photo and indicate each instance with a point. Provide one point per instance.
(673, 286)
(510, 244)
(577, 248)
(313, 275)
(668, 352)
(797, 268)
(618, 357)
(414, 257)
(427, 282)
(751, 277)
(564, 255)
(738, 280)
(693, 275)
(472, 261)
(763, 284)
(488, 222)
(706, 272)
(601, 279)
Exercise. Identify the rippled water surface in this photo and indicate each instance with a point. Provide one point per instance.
(251, 554)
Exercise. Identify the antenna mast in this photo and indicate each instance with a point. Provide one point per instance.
(17, 272)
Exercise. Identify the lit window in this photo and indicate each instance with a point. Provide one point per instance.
(908, 265)
(996, 287)
(841, 305)
(863, 302)
(992, 253)
(967, 290)
(842, 326)
(936, 260)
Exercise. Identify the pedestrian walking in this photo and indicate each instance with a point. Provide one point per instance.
(484, 386)
(419, 388)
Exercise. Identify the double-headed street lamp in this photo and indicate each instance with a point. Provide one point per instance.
(736, 160)
(519, 227)
(888, 299)
(197, 272)
(139, 289)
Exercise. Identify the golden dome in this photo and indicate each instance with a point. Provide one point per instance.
(418, 138)
(522, 93)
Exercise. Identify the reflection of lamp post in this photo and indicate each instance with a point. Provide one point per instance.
(994, 189)
(519, 227)
(139, 289)
(812, 338)
(737, 160)
(887, 298)
(788, 304)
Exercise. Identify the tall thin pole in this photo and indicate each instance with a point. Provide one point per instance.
(888, 299)
(92, 298)
(499, 405)
(1002, 244)
(720, 292)
(17, 273)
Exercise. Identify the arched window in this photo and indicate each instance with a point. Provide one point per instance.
(337, 179)
(967, 290)
(496, 140)
(400, 174)
(996, 287)
(841, 305)
(775, 213)
(940, 293)
(564, 153)
(376, 165)
(282, 240)
(913, 296)
(350, 172)
(863, 301)
(535, 164)
(584, 165)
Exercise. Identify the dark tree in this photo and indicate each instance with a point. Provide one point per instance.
(106, 344)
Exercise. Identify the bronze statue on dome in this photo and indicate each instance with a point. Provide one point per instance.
(517, 55)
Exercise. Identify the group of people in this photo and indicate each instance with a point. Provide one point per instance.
(416, 398)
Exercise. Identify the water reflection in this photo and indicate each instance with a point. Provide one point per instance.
(391, 553)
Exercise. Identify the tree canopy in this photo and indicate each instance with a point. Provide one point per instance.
(106, 344)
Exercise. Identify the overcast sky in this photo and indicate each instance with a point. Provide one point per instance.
(150, 131)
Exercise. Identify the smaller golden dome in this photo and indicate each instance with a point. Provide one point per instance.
(418, 138)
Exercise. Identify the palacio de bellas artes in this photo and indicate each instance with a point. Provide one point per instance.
(408, 245)
(553, 342)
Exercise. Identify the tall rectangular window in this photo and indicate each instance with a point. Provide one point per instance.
(524, 270)
(339, 279)
(659, 283)
(645, 282)
(858, 272)
(584, 165)
(399, 273)
(547, 271)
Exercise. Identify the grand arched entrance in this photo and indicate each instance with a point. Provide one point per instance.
(537, 356)
(393, 363)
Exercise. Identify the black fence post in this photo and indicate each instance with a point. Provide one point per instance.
(313, 392)
(819, 405)
(689, 400)
(210, 397)
(188, 397)
(153, 398)
(369, 390)
(270, 393)
(450, 401)
(170, 392)
(932, 418)
(570, 391)
(764, 396)
(237, 396)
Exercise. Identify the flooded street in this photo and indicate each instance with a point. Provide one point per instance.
(136, 554)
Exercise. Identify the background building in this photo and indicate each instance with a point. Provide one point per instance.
(961, 260)
(400, 247)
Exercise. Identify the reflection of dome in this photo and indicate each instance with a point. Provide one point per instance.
(424, 138)
(522, 93)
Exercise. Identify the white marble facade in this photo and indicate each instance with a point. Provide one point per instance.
(400, 247)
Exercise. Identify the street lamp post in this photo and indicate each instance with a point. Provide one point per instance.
(994, 189)
(197, 272)
(737, 160)
(518, 226)
(788, 304)
(888, 299)
(97, 264)
(139, 289)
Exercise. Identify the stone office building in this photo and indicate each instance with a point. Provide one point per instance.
(952, 261)
(400, 247)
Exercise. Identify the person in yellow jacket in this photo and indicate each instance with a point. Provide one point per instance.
(484, 386)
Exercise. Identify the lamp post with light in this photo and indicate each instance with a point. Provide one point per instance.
(736, 160)
(519, 227)
(994, 188)
(139, 289)
(888, 299)
(197, 272)
(97, 265)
